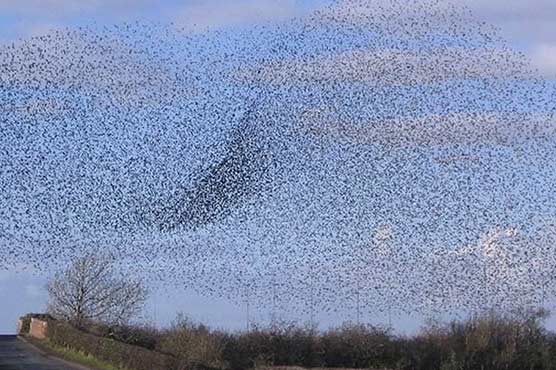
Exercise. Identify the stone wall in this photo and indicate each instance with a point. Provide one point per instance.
(38, 328)
(20, 327)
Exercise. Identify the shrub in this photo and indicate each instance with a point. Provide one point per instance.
(109, 350)
(282, 344)
(489, 341)
(358, 346)
(194, 345)
(143, 336)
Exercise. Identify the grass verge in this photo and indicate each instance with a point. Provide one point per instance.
(71, 355)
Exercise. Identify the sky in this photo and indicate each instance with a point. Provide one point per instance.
(528, 27)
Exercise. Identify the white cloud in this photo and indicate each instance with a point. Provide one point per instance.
(507, 9)
(507, 267)
(436, 130)
(525, 25)
(396, 67)
(518, 20)
(522, 22)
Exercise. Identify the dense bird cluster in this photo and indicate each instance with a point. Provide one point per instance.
(371, 158)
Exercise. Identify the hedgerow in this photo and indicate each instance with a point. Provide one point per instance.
(109, 350)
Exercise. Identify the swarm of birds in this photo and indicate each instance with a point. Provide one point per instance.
(370, 157)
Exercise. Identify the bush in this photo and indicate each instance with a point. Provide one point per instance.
(358, 346)
(488, 341)
(194, 345)
(283, 344)
(143, 336)
(109, 350)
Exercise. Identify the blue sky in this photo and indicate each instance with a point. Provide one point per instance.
(527, 26)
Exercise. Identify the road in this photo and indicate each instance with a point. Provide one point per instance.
(18, 355)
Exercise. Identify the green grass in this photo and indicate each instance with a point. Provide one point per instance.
(77, 357)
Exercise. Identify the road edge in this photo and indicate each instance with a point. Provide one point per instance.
(51, 356)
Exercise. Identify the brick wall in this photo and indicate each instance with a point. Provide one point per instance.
(38, 328)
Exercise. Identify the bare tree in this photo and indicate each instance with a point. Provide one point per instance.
(91, 290)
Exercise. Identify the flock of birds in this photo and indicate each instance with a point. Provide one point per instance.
(370, 158)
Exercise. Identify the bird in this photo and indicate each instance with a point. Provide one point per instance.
(365, 159)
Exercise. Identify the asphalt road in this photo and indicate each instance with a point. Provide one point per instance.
(18, 355)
